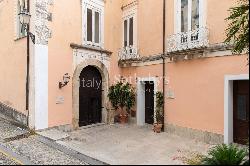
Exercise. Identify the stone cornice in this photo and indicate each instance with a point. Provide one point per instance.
(130, 5)
(97, 49)
(180, 55)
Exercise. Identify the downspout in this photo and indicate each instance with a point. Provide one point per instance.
(163, 59)
(28, 67)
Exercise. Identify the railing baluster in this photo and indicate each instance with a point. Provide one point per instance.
(188, 40)
(128, 53)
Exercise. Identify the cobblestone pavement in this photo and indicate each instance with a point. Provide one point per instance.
(39, 153)
(4, 160)
(8, 130)
(30, 148)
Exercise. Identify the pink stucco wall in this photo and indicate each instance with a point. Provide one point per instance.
(198, 87)
(150, 28)
(217, 12)
(13, 59)
(112, 35)
(66, 29)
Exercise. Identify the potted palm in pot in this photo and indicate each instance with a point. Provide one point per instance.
(122, 98)
(159, 117)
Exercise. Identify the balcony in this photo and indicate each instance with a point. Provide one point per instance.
(190, 40)
(128, 53)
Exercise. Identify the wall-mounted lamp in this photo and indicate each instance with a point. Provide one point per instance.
(65, 81)
(24, 18)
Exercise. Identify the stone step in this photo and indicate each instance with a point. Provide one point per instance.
(92, 126)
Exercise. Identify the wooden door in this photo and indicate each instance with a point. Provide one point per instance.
(90, 96)
(241, 112)
(149, 102)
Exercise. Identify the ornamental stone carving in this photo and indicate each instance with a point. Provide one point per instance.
(43, 33)
(81, 55)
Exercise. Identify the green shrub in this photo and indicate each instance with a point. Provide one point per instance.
(225, 155)
(159, 115)
(122, 95)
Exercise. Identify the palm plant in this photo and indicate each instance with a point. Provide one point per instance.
(225, 155)
(238, 29)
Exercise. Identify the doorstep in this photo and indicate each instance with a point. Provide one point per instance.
(53, 134)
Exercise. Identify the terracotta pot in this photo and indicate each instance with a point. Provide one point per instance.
(111, 116)
(123, 119)
(133, 113)
(157, 128)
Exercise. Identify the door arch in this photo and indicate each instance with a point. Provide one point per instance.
(90, 96)
(103, 71)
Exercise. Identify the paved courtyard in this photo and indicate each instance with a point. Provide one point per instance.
(100, 144)
(126, 144)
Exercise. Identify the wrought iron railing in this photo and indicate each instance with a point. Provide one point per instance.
(188, 40)
(128, 53)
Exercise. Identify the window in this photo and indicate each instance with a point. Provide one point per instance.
(20, 29)
(129, 24)
(89, 25)
(131, 31)
(129, 45)
(242, 107)
(128, 37)
(125, 33)
(189, 21)
(93, 26)
(184, 15)
(195, 15)
(97, 27)
(93, 22)
(189, 16)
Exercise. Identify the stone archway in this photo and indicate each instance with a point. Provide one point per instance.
(76, 84)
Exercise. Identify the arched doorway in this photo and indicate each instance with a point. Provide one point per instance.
(90, 96)
(102, 70)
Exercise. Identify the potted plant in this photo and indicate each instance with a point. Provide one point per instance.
(122, 98)
(159, 117)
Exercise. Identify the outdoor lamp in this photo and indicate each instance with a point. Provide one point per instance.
(24, 18)
(65, 81)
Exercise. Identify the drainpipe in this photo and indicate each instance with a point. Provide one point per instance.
(28, 67)
(163, 59)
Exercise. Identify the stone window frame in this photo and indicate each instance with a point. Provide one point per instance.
(130, 11)
(95, 6)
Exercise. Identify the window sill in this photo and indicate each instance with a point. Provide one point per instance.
(93, 45)
(20, 38)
